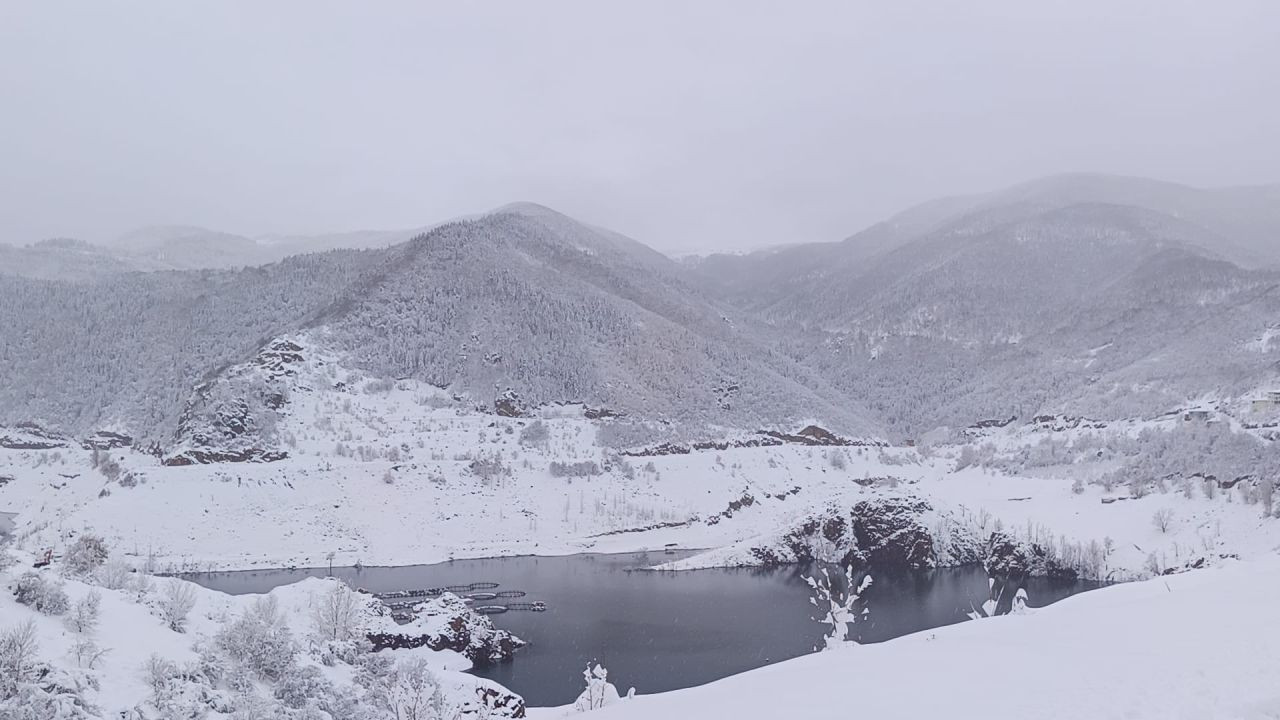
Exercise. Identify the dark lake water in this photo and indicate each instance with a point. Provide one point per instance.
(660, 631)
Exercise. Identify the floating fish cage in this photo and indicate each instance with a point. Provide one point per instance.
(405, 595)
(401, 602)
(530, 606)
(492, 609)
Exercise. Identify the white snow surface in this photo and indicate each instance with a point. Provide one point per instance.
(132, 630)
(404, 491)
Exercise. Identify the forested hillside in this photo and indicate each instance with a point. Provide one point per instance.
(957, 311)
(1024, 303)
(527, 301)
(524, 304)
(125, 350)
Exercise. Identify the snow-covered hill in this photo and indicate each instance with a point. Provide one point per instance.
(110, 640)
(523, 304)
(1083, 295)
(1192, 646)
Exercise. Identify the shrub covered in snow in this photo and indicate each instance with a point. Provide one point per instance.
(175, 604)
(33, 690)
(260, 640)
(18, 646)
(47, 597)
(584, 468)
(85, 554)
(83, 617)
(336, 615)
(489, 468)
(113, 575)
(599, 692)
(535, 434)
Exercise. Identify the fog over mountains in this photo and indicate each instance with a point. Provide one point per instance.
(1084, 295)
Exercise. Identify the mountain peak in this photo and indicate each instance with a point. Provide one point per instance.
(526, 208)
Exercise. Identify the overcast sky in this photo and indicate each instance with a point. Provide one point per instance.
(689, 125)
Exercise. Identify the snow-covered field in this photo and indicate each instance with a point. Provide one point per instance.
(386, 474)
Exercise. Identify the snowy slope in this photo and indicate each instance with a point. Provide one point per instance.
(1191, 646)
(130, 630)
(402, 473)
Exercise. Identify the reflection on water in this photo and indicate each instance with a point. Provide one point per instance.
(660, 631)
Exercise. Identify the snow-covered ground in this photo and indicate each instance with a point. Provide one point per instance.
(1200, 646)
(129, 662)
(399, 473)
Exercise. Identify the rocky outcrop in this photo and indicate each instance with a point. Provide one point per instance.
(508, 404)
(1004, 557)
(813, 435)
(29, 436)
(106, 440)
(447, 623)
(280, 358)
(231, 418)
(204, 457)
(887, 532)
(591, 413)
(495, 701)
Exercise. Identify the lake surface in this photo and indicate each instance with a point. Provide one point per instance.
(660, 631)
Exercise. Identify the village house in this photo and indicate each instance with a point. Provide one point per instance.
(1269, 401)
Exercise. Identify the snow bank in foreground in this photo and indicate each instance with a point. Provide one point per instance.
(292, 654)
(1198, 645)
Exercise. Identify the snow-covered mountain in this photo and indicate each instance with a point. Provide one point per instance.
(1077, 295)
(62, 259)
(177, 247)
(1023, 303)
(1240, 224)
(512, 310)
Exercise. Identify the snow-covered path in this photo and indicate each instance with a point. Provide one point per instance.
(1202, 645)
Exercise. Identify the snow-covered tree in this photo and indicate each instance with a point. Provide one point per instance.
(141, 586)
(990, 607)
(176, 602)
(113, 575)
(337, 625)
(33, 589)
(413, 691)
(87, 653)
(83, 617)
(259, 639)
(599, 692)
(1020, 600)
(839, 604)
(85, 554)
(18, 648)
(535, 435)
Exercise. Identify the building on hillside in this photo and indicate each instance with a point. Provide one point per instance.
(1269, 401)
(1198, 415)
